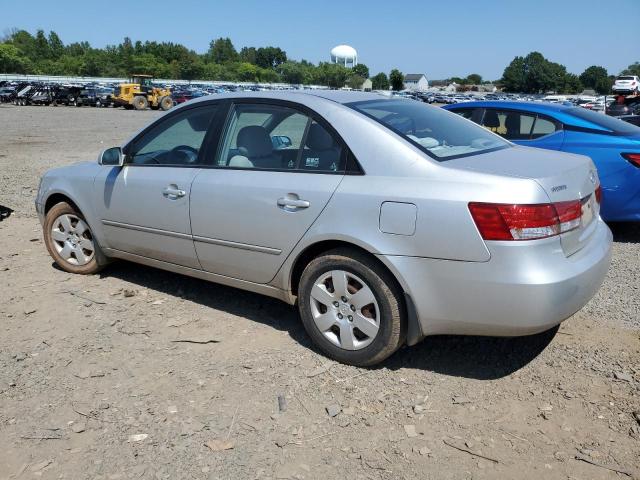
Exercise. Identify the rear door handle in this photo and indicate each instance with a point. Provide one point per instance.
(172, 192)
(293, 203)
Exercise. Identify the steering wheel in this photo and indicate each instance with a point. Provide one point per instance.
(191, 152)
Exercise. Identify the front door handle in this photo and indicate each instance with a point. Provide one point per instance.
(292, 203)
(172, 192)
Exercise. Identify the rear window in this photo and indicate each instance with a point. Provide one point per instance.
(625, 78)
(613, 125)
(440, 134)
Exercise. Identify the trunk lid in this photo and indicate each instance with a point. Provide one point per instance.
(564, 177)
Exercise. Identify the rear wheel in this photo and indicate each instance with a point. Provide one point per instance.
(140, 103)
(70, 241)
(351, 307)
(165, 103)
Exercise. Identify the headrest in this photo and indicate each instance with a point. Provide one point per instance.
(318, 138)
(512, 122)
(200, 121)
(254, 141)
(491, 119)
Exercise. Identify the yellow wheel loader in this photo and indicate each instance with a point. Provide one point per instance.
(140, 94)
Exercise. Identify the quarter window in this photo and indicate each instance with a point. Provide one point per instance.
(270, 137)
(174, 141)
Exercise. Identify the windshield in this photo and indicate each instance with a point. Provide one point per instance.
(614, 125)
(442, 135)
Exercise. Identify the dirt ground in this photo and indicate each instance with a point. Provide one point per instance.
(139, 373)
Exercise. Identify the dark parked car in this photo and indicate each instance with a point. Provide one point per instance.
(66, 95)
(632, 119)
(7, 94)
(95, 97)
(627, 108)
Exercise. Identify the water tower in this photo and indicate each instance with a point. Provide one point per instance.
(344, 55)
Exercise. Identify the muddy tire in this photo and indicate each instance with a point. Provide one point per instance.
(70, 241)
(351, 307)
(140, 103)
(165, 103)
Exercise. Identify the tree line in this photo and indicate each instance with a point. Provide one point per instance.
(22, 52)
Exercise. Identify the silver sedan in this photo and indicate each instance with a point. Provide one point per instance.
(383, 219)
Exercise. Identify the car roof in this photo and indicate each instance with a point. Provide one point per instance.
(560, 112)
(338, 96)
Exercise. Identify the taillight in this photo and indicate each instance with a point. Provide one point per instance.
(599, 194)
(500, 221)
(633, 158)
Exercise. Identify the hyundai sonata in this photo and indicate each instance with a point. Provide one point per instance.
(383, 219)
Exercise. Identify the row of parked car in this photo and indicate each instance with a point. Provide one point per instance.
(26, 93)
(95, 94)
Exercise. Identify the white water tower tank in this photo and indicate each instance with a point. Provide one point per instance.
(344, 55)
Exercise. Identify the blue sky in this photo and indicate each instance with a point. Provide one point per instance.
(440, 39)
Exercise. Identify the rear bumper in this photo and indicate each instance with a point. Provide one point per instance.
(523, 289)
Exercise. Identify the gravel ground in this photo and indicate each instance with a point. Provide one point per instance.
(100, 378)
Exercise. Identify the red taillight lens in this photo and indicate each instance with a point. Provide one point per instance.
(633, 158)
(498, 221)
(599, 194)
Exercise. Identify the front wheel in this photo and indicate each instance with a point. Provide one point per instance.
(351, 307)
(70, 241)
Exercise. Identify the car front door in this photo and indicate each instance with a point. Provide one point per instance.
(524, 128)
(144, 205)
(274, 172)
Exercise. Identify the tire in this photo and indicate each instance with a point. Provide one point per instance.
(70, 242)
(336, 330)
(166, 103)
(78, 103)
(140, 103)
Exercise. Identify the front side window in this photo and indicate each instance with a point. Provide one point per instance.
(441, 134)
(174, 141)
(271, 137)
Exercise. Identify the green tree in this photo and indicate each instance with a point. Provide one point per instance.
(270, 57)
(596, 78)
(41, 46)
(247, 72)
(474, 79)
(396, 78)
(12, 60)
(361, 70)
(355, 82)
(633, 69)
(380, 81)
(222, 50)
(56, 47)
(248, 55)
(292, 72)
(190, 68)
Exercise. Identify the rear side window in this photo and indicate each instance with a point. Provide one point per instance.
(515, 125)
(273, 137)
(543, 127)
(440, 134)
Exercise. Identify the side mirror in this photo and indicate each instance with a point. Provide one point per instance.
(112, 157)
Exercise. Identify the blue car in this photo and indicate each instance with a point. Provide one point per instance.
(613, 145)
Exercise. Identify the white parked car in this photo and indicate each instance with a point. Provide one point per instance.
(626, 84)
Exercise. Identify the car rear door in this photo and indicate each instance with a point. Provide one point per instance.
(276, 168)
(144, 205)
